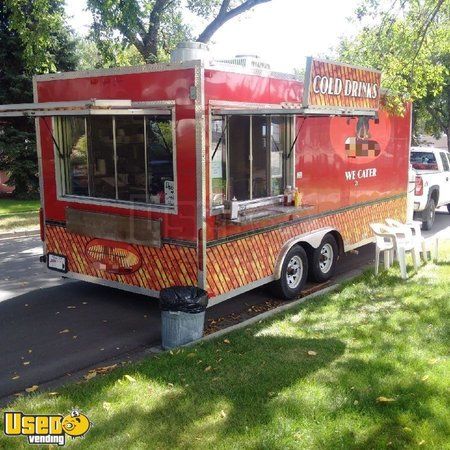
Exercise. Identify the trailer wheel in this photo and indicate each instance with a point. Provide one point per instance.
(448, 208)
(428, 215)
(293, 274)
(323, 259)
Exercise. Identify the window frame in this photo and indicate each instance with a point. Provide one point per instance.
(288, 166)
(61, 195)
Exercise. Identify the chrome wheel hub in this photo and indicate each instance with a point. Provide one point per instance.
(294, 272)
(326, 258)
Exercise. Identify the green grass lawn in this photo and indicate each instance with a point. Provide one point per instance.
(12, 206)
(365, 367)
(18, 215)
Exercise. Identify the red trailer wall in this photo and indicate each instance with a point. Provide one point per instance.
(320, 150)
(343, 192)
(333, 180)
(147, 86)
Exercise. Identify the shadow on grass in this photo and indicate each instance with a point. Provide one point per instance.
(243, 386)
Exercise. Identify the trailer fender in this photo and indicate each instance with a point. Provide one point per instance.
(313, 239)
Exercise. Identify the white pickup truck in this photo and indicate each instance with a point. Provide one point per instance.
(432, 189)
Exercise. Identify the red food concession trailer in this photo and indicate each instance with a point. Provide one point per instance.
(178, 174)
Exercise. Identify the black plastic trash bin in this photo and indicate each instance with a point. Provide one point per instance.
(182, 315)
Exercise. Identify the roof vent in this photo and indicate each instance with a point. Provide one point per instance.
(247, 61)
(189, 51)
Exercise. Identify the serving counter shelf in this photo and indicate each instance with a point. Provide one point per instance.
(266, 213)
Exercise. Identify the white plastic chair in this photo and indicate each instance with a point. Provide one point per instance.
(415, 227)
(385, 243)
(403, 243)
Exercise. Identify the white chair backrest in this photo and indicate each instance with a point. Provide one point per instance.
(403, 228)
(383, 234)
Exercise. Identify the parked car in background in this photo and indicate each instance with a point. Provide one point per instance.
(5, 189)
(432, 188)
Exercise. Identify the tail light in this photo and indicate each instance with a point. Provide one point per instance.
(419, 186)
(41, 224)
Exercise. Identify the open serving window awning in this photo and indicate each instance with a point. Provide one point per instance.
(81, 107)
(315, 112)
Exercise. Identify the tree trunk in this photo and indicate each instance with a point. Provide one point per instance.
(224, 16)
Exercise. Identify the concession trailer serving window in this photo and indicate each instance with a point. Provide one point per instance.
(128, 158)
(250, 157)
(110, 150)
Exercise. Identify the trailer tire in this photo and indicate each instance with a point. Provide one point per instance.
(294, 272)
(428, 215)
(448, 208)
(323, 259)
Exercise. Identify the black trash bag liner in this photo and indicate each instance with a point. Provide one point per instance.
(189, 299)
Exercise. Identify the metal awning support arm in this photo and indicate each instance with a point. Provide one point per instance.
(61, 155)
(296, 137)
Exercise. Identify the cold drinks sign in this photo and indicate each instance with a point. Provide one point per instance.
(334, 85)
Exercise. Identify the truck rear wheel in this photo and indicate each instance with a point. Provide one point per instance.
(428, 215)
(323, 259)
(293, 274)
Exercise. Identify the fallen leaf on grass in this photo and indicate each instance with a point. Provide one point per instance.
(312, 353)
(64, 331)
(223, 414)
(226, 341)
(53, 393)
(90, 374)
(32, 388)
(130, 378)
(425, 377)
(105, 369)
(190, 355)
(208, 369)
(382, 399)
(422, 442)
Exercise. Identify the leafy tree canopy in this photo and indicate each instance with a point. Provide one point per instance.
(409, 40)
(33, 40)
(155, 27)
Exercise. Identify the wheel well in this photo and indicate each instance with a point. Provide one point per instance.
(340, 242)
(309, 249)
(316, 237)
(435, 195)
